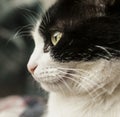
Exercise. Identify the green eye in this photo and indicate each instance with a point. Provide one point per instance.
(55, 38)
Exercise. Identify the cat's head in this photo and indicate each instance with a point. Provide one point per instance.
(77, 47)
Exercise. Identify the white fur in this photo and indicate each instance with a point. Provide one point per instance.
(97, 94)
(83, 106)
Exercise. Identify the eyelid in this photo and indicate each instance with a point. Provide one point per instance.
(55, 29)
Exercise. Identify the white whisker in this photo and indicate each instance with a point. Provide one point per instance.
(61, 89)
(19, 30)
(74, 70)
(68, 87)
(29, 11)
(104, 49)
(88, 82)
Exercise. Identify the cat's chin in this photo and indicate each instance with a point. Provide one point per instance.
(53, 83)
(51, 87)
(49, 84)
(57, 87)
(61, 88)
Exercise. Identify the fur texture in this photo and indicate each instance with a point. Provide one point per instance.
(81, 72)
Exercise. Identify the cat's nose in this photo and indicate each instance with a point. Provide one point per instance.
(32, 67)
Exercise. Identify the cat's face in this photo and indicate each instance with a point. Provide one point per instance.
(77, 48)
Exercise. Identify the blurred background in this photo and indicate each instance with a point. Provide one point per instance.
(17, 18)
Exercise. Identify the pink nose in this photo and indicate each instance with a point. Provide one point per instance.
(31, 68)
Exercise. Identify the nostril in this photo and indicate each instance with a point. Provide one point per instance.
(31, 69)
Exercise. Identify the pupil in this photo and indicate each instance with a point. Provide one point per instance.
(55, 38)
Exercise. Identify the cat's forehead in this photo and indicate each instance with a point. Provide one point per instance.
(65, 13)
(74, 8)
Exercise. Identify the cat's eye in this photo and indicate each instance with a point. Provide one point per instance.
(55, 38)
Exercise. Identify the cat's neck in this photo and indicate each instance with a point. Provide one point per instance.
(83, 106)
(63, 106)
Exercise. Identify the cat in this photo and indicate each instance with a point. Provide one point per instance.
(76, 58)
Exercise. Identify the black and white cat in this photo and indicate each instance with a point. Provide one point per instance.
(76, 58)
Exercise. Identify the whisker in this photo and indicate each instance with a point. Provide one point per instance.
(90, 94)
(61, 89)
(19, 30)
(74, 70)
(97, 92)
(112, 49)
(89, 83)
(65, 83)
(67, 77)
(103, 56)
(30, 18)
(25, 32)
(73, 74)
(104, 49)
(46, 17)
(29, 11)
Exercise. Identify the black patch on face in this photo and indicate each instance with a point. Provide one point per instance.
(89, 31)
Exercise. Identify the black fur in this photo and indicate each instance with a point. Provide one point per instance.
(90, 31)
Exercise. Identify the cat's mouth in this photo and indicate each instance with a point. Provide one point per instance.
(50, 80)
(53, 78)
